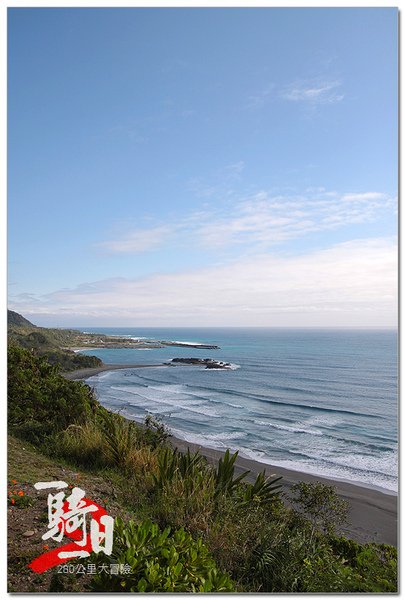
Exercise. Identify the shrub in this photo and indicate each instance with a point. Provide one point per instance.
(184, 490)
(167, 467)
(156, 433)
(237, 531)
(263, 490)
(173, 464)
(321, 504)
(142, 464)
(159, 562)
(376, 564)
(40, 401)
(20, 500)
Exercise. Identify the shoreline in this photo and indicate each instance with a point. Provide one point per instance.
(372, 512)
(367, 506)
(90, 371)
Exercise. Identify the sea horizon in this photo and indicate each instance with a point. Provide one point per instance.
(322, 327)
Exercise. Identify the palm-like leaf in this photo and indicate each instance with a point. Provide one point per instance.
(224, 477)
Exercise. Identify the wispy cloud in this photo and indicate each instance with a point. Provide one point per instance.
(259, 221)
(354, 283)
(314, 91)
(364, 197)
(311, 92)
(267, 220)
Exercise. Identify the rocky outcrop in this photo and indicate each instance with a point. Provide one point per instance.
(208, 363)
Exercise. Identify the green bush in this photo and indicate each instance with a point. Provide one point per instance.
(292, 557)
(375, 565)
(236, 531)
(321, 504)
(159, 561)
(156, 433)
(40, 401)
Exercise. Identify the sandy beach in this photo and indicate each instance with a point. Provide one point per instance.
(373, 513)
(372, 516)
(85, 373)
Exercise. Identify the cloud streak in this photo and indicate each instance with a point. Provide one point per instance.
(313, 92)
(349, 284)
(310, 92)
(267, 220)
(257, 222)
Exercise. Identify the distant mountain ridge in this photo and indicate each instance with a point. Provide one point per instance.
(14, 318)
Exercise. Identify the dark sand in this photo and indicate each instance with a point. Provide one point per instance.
(86, 373)
(372, 516)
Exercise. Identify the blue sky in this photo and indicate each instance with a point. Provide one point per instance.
(203, 166)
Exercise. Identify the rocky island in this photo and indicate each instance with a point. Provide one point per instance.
(208, 363)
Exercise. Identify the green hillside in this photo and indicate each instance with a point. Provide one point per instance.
(13, 318)
(51, 344)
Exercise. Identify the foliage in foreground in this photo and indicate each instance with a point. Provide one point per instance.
(160, 561)
(249, 532)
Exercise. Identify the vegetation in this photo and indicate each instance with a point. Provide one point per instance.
(13, 318)
(193, 526)
(51, 344)
(321, 505)
(40, 401)
(159, 562)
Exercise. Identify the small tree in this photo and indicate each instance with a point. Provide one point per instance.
(321, 505)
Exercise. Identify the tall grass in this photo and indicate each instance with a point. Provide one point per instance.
(120, 439)
(82, 444)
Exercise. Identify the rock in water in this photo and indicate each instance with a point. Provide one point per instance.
(208, 363)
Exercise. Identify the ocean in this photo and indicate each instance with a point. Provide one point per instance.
(312, 400)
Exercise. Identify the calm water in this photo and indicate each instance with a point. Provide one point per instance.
(319, 401)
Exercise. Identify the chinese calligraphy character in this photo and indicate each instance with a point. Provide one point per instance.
(69, 515)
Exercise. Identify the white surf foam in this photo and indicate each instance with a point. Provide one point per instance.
(382, 481)
(160, 396)
(295, 428)
(214, 440)
(189, 343)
